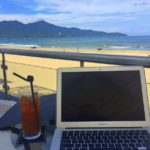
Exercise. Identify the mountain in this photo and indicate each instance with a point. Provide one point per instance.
(44, 29)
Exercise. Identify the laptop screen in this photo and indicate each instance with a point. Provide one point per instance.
(102, 96)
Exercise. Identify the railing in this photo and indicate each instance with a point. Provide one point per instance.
(83, 57)
(79, 57)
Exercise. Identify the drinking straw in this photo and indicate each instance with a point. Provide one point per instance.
(29, 79)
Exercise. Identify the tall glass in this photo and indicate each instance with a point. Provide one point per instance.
(30, 112)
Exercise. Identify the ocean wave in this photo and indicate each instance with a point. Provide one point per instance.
(119, 47)
(126, 47)
(19, 45)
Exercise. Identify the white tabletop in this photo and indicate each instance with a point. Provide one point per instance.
(8, 142)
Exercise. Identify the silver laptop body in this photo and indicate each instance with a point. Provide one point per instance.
(100, 100)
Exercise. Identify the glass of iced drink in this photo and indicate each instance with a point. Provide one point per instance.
(30, 112)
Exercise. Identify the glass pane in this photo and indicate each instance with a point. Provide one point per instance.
(44, 78)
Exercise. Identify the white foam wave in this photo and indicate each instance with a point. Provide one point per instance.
(19, 45)
(126, 47)
(119, 47)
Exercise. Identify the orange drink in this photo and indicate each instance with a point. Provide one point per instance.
(30, 113)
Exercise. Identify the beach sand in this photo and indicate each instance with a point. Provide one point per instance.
(44, 70)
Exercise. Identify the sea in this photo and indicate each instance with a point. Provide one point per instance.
(96, 43)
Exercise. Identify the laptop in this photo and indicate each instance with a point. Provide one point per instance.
(102, 109)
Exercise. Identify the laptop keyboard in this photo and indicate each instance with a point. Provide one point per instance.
(105, 140)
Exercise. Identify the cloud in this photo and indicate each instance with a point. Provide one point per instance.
(84, 8)
(86, 14)
(90, 7)
(142, 4)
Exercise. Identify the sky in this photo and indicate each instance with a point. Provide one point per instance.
(127, 16)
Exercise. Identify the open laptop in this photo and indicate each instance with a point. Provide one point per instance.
(102, 108)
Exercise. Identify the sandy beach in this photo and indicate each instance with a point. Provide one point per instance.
(44, 70)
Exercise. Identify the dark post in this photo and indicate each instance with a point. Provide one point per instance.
(81, 63)
(4, 68)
